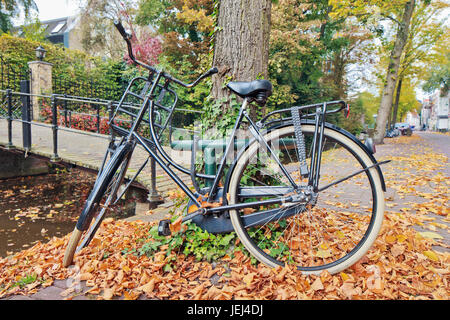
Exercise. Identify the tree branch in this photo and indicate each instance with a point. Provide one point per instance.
(391, 18)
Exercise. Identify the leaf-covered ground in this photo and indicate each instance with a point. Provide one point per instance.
(409, 260)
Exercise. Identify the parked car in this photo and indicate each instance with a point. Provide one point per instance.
(391, 132)
(404, 128)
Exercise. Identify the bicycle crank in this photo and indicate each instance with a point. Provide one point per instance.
(164, 225)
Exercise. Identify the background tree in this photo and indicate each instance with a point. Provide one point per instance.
(437, 73)
(316, 56)
(10, 9)
(33, 30)
(392, 71)
(185, 27)
(99, 37)
(295, 55)
(427, 31)
(373, 11)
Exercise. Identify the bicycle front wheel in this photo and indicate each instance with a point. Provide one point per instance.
(334, 229)
(99, 202)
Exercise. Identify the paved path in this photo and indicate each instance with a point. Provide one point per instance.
(439, 143)
(76, 147)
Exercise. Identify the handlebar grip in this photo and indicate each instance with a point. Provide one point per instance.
(121, 30)
(208, 73)
(212, 71)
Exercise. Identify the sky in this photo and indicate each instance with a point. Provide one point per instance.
(53, 9)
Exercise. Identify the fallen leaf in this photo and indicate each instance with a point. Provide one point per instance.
(176, 225)
(149, 287)
(397, 249)
(108, 293)
(317, 285)
(431, 255)
(431, 235)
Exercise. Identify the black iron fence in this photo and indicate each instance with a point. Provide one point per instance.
(16, 106)
(12, 73)
(71, 108)
(85, 87)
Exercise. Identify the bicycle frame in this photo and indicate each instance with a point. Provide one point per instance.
(155, 150)
(213, 212)
(153, 146)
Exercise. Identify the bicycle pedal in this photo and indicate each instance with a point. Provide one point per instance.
(164, 228)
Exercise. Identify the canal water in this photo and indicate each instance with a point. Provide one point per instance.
(36, 208)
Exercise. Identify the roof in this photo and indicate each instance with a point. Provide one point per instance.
(58, 26)
(55, 26)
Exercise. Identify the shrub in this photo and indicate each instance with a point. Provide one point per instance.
(76, 69)
(84, 122)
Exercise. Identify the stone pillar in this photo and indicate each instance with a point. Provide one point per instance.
(41, 83)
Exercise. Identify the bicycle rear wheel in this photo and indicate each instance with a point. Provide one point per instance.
(334, 229)
(100, 200)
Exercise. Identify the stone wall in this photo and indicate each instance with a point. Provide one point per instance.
(15, 164)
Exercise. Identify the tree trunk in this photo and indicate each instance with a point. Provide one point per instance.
(392, 72)
(397, 101)
(241, 50)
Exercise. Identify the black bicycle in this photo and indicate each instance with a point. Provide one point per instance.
(298, 191)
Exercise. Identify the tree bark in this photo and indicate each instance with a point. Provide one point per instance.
(241, 50)
(392, 73)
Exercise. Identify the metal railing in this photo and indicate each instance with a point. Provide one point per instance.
(16, 106)
(11, 114)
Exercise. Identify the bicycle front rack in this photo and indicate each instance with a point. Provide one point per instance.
(131, 103)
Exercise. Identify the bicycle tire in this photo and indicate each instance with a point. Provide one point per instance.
(259, 250)
(85, 230)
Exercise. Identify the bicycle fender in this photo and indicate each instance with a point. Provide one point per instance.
(99, 188)
(305, 121)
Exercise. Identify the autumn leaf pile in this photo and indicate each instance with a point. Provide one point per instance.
(408, 259)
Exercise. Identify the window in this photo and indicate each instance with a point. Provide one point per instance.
(58, 27)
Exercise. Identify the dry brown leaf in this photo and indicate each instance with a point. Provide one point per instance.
(108, 293)
(397, 250)
(176, 225)
(317, 285)
(149, 287)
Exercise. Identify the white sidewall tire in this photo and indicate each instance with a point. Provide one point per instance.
(235, 179)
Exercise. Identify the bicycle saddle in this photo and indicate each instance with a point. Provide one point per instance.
(258, 90)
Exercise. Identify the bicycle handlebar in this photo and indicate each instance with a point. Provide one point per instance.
(127, 37)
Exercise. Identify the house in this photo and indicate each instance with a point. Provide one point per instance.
(413, 119)
(435, 111)
(442, 112)
(64, 31)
